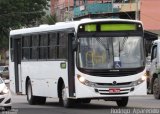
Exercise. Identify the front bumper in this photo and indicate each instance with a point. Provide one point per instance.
(102, 91)
(5, 99)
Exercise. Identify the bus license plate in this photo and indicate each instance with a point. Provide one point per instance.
(114, 90)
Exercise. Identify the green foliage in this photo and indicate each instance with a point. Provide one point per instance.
(15, 14)
(3, 43)
(49, 19)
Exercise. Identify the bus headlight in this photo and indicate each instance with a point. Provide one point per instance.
(144, 77)
(139, 81)
(85, 82)
(81, 79)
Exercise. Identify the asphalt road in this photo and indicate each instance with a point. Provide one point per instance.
(137, 105)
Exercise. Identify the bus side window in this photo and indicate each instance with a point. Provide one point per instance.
(43, 49)
(12, 50)
(26, 46)
(53, 40)
(35, 47)
(63, 43)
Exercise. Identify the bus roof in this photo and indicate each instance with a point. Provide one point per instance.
(62, 26)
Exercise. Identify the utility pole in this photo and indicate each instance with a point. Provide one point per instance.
(68, 10)
(112, 8)
(68, 5)
(137, 10)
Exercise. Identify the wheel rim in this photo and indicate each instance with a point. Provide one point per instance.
(155, 88)
(29, 92)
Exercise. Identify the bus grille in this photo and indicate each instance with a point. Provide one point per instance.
(119, 85)
(104, 91)
(113, 93)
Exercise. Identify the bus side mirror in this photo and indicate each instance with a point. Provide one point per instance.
(75, 45)
(148, 60)
(73, 40)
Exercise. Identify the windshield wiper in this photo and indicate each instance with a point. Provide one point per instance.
(123, 44)
(101, 42)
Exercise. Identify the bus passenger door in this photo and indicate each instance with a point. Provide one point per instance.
(17, 64)
(71, 65)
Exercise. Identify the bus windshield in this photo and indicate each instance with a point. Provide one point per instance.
(110, 52)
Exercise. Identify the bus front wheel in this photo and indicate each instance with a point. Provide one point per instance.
(86, 101)
(66, 102)
(122, 102)
(32, 100)
(156, 89)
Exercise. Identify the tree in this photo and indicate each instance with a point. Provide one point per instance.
(15, 14)
(49, 19)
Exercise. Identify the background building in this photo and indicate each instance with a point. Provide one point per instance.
(94, 8)
(107, 8)
(150, 14)
(149, 10)
(61, 8)
(145, 10)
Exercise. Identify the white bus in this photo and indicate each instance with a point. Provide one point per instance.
(79, 61)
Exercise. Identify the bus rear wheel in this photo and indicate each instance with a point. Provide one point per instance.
(32, 100)
(7, 108)
(122, 102)
(156, 89)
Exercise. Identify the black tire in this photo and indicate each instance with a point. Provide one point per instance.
(7, 108)
(63, 100)
(123, 102)
(86, 100)
(32, 100)
(156, 88)
(150, 90)
(41, 100)
(147, 85)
